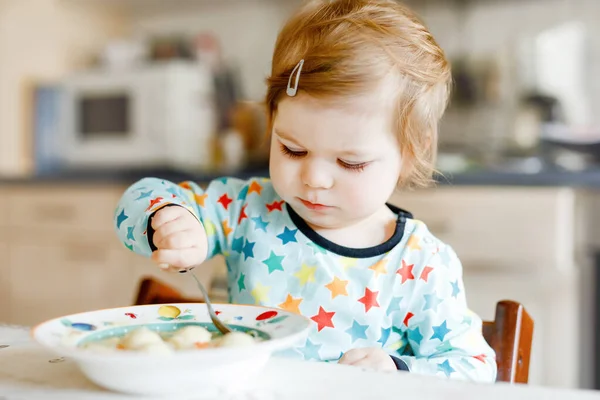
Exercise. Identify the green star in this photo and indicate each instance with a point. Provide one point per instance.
(274, 262)
(316, 248)
(240, 282)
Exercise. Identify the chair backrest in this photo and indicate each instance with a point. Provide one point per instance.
(511, 336)
(153, 291)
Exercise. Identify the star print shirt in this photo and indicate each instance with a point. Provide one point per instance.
(405, 296)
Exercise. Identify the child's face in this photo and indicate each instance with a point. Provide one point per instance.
(334, 166)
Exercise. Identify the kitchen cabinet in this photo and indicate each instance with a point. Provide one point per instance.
(62, 255)
(518, 244)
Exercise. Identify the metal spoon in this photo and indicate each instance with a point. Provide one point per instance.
(224, 329)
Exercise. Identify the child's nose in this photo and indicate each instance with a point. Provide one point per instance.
(315, 175)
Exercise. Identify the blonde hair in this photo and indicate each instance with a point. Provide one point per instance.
(349, 48)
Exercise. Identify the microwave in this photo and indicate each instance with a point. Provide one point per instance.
(159, 115)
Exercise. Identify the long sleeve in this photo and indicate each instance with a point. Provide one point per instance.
(218, 207)
(443, 335)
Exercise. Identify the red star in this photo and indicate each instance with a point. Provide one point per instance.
(406, 271)
(425, 273)
(154, 202)
(217, 312)
(276, 205)
(407, 318)
(480, 357)
(225, 201)
(323, 319)
(242, 214)
(369, 299)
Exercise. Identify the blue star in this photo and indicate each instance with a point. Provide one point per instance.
(248, 250)
(174, 190)
(260, 224)
(415, 335)
(431, 301)
(357, 331)
(394, 304)
(274, 262)
(455, 288)
(223, 180)
(241, 283)
(316, 248)
(445, 368)
(445, 256)
(465, 363)
(440, 331)
(122, 217)
(129, 246)
(130, 233)
(243, 193)
(288, 235)
(311, 350)
(143, 195)
(385, 334)
(238, 244)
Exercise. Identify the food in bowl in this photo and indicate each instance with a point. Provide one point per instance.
(145, 340)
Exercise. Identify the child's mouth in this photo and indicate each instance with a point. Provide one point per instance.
(314, 206)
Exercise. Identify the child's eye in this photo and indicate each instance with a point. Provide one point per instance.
(290, 153)
(357, 167)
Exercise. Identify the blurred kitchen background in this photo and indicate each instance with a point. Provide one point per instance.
(95, 94)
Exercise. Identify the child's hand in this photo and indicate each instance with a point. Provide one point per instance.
(370, 357)
(180, 239)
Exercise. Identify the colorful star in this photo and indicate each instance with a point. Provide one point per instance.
(446, 368)
(260, 293)
(369, 299)
(466, 364)
(200, 198)
(385, 335)
(425, 273)
(316, 248)
(323, 319)
(445, 347)
(225, 201)
(311, 350)
(130, 230)
(242, 214)
(243, 193)
(357, 331)
(238, 244)
(226, 228)
(407, 318)
(394, 305)
(129, 246)
(480, 357)
(406, 271)
(254, 188)
(431, 301)
(440, 332)
(154, 202)
(185, 185)
(260, 224)
(379, 267)
(241, 283)
(337, 287)
(248, 250)
(174, 191)
(143, 195)
(415, 336)
(276, 205)
(455, 288)
(288, 235)
(274, 262)
(209, 227)
(348, 262)
(445, 256)
(290, 304)
(306, 274)
(413, 243)
(122, 217)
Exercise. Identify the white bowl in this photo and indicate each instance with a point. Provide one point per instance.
(202, 371)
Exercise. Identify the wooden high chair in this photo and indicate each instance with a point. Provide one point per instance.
(510, 334)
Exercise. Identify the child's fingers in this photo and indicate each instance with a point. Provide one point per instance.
(183, 258)
(166, 214)
(351, 357)
(169, 228)
(177, 240)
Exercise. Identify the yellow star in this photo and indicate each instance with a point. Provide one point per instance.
(413, 243)
(396, 345)
(290, 304)
(337, 287)
(306, 274)
(200, 199)
(260, 293)
(209, 227)
(348, 262)
(379, 267)
(226, 229)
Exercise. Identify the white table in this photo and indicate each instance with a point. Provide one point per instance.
(27, 371)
